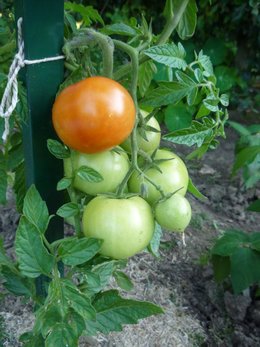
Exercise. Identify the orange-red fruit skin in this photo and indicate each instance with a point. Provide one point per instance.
(93, 115)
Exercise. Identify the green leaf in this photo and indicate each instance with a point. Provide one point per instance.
(98, 277)
(154, 245)
(227, 244)
(35, 209)
(3, 178)
(211, 103)
(4, 260)
(198, 75)
(29, 339)
(205, 63)
(167, 93)
(64, 183)
(114, 311)
(88, 174)
(226, 77)
(178, 116)
(244, 157)
(76, 251)
(194, 191)
(61, 335)
(224, 99)
(146, 73)
(34, 259)
(255, 241)
(123, 281)
(69, 209)
(88, 13)
(202, 112)
(245, 269)
(196, 134)
(58, 149)
(216, 49)
(77, 300)
(120, 29)
(221, 267)
(17, 284)
(168, 54)
(254, 206)
(188, 21)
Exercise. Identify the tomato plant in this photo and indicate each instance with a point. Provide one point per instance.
(126, 226)
(148, 135)
(111, 74)
(112, 167)
(93, 115)
(170, 174)
(174, 213)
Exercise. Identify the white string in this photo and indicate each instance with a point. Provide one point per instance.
(10, 96)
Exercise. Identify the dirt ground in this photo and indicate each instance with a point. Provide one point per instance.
(197, 311)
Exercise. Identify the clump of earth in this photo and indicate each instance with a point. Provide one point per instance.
(197, 311)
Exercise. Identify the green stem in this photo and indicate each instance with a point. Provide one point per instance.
(171, 24)
(107, 47)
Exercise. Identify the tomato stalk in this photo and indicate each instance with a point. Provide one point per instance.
(170, 25)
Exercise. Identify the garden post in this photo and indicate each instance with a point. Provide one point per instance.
(42, 32)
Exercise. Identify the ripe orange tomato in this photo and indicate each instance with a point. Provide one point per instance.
(93, 115)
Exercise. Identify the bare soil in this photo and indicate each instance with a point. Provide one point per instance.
(198, 312)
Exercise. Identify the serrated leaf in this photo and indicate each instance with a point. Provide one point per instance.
(120, 29)
(224, 99)
(245, 269)
(69, 209)
(195, 135)
(194, 191)
(35, 209)
(17, 284)
(61, 335)
(76, 251)
(154, 245)
(167, 93)
(33, 258)
(168, 54)
(229, 242)
(146, 72)
(88, 13)
(123, 281)
(205, 63)
(221, 267)
(198, 75)
(177, 116)
(188, 21)
(113, 312)
(88, 174)
(58, 149)
(64, 183)
(79, 301)
(245, 156)
(211, 103)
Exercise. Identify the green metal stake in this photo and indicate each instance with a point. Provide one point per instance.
(42, 26)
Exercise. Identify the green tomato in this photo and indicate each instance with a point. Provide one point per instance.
(111, 165)
(173, 214)
(152, 140)
(126, 226)
(173, 175)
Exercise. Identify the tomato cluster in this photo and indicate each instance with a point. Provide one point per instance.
(95, 118)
